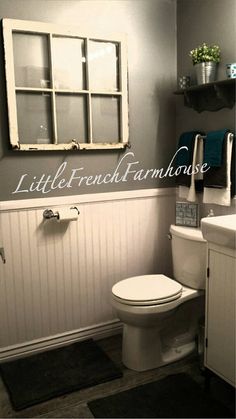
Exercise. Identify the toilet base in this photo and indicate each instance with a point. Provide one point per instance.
(143, 349)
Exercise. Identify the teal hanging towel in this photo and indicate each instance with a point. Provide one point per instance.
(185, 157)
(213, 147)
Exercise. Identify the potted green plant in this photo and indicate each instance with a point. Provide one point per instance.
(205, 59)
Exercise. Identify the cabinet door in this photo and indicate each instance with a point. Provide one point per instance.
(220, 352)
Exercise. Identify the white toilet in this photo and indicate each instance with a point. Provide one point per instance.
(160, 314)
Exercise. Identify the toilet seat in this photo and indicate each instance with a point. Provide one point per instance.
(147, 290)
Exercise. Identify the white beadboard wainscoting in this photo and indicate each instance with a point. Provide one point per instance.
(55, 286)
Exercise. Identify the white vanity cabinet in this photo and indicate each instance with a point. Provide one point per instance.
(220, 312)
(220, 296)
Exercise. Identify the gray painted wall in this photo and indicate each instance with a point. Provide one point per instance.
(155, 122)
(210, 21)
(151, 30)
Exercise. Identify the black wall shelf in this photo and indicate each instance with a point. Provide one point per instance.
(210, 96)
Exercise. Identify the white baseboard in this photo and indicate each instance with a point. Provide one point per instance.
(96, 332)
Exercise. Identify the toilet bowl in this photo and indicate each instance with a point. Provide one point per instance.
(161, 314)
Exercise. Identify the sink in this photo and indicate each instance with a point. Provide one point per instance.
(220, 230)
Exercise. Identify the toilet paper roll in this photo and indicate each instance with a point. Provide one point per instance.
(67, 214)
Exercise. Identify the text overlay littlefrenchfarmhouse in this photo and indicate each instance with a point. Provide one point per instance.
(128, 169)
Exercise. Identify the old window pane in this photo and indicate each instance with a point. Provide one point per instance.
(69, 63)
(105, 118)
(31, 61)
(103, 66)
(71, 118)
(34, 118)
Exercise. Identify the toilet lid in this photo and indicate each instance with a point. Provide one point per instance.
(147, 289)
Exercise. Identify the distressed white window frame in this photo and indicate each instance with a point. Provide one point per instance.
(12, 25)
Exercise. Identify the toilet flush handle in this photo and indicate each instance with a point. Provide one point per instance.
(169, 236)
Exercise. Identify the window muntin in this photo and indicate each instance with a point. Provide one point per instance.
(65, 90)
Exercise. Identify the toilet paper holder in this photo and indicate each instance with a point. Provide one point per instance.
(49, 214)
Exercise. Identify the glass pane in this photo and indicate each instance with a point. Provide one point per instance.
(69, 63)
(31, 60)
(103, 66)
(71, 118)
(34, 118)
(105, 118)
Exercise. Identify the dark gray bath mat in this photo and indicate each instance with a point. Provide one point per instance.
(176, 396)
(49, 374)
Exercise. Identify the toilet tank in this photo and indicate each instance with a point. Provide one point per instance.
(189, 255)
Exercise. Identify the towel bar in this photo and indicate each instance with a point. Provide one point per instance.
(204, 136)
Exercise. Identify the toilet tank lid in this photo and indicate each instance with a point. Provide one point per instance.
(188, 233)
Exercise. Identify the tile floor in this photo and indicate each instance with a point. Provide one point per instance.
(74, 405)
